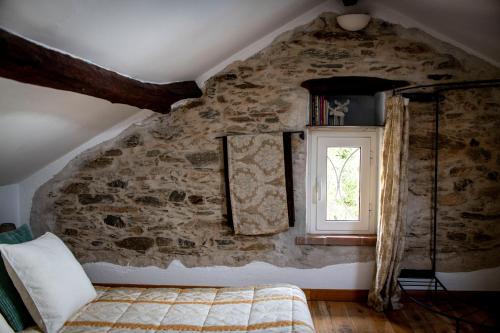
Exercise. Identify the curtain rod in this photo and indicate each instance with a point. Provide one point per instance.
(453, 85)
(301, 134)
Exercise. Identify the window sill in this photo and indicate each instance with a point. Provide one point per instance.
(339, 240)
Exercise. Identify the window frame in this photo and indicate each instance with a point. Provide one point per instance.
(370, 215)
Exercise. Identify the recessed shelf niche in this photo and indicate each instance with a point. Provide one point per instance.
(348, 100)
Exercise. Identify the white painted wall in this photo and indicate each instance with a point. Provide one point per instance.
(341, 276)
(484, 279)
(9, 204)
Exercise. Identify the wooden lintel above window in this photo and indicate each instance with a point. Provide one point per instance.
(351, 85)
(25, 61)
(339, 240)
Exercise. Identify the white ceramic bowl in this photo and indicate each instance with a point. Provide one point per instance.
(353, 22)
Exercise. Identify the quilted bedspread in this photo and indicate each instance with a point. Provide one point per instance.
(271, 308)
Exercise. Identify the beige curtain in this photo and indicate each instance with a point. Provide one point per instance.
(385, 293)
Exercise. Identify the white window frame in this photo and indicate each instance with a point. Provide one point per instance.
(318, 139)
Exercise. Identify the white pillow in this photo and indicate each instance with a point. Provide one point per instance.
(51, 282)
(4, 327)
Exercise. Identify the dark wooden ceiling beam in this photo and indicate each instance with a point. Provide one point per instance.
(349, 2)
(28, 62)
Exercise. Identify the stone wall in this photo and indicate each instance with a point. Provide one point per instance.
(469, 186)
(156, 193)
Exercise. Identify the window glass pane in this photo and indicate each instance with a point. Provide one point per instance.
(342, 182)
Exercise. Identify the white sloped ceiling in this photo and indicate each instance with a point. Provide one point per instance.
(174, 40)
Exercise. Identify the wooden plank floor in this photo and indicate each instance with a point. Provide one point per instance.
(354, 317)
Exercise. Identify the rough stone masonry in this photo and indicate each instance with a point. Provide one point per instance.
(155, 193)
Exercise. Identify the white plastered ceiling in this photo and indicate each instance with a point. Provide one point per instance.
(173, 40)
(473, 25)
(38, 125)
(153, 40)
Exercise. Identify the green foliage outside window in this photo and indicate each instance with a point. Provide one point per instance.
(343, 167)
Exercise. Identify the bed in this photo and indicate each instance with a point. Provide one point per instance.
(267, 308)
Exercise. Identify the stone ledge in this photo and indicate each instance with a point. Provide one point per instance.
(339, 240)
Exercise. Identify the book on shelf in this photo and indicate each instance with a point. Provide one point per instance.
(318, 114)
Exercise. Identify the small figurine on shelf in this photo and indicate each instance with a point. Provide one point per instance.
(338, 112)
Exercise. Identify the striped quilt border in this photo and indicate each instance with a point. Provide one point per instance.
(177, 327)
(215, 302)
(196, 289)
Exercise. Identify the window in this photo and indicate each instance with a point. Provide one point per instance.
(342, 180)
